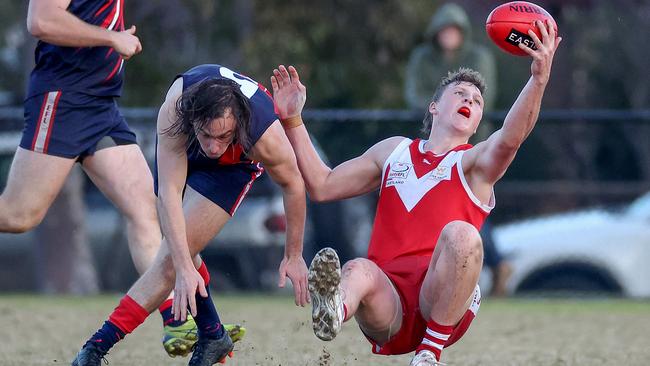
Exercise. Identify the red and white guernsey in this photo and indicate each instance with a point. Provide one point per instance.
(420, 194)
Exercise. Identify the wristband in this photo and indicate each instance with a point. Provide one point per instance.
(291, 122)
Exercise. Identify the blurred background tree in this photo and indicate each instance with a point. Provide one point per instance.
(352, 54)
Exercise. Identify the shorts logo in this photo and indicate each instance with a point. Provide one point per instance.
(45, 121)
(398, 173)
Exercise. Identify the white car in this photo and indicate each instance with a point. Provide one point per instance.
(590, 251)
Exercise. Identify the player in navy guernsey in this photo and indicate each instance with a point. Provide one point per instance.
(71, 116)
(216, 129)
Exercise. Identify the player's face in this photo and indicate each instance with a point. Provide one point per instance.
(217, 135)
(461, 106)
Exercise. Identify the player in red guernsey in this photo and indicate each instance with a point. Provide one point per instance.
(418, 290)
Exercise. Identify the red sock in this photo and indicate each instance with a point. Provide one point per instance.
(435, 338)
(128, 315)
(203, 270)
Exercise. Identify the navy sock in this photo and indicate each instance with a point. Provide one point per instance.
(207, 319)
(167, 315)
(106, 336)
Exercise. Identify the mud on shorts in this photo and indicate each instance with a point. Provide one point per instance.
(407, 275)
(73, 125)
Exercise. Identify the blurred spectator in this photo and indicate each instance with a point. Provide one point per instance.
(448, 45)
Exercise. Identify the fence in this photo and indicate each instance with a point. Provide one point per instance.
(573, 158)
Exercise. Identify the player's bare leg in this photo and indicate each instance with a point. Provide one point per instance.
(449, 286)
(204, 220)
(364, 292)
(33, 183)
(122, 174)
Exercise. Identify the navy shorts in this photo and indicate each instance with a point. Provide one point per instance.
(224, 185)
(71, 125)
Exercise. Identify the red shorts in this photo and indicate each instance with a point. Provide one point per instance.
(407, 274)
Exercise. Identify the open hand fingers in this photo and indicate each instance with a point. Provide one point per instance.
(278, 78)
(552, 32)
(293, 73)
(191, 300)
(543, 30)
(305, 290)
(285, 74)
(274, 84)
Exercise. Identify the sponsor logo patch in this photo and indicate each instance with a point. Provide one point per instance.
(398, 173)
(515, 37)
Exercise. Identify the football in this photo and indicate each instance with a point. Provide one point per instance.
(508, 25)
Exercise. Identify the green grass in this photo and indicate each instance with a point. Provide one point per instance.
(49, 330)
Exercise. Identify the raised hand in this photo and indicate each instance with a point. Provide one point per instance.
(543, 55)
(288, 92)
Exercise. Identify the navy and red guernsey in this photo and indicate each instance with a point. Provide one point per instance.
(94, 71)
(263, 112)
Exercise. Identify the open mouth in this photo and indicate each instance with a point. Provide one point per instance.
(464, 111)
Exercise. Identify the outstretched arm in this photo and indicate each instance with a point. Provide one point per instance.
(172, 173)
(352, 178)
(275, 153)
(487, 161)
(49, 21)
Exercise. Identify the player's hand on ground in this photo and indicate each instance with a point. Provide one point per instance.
(296, 269)
(543, 55)
(288, 92)
(126, 43)
(188, 281)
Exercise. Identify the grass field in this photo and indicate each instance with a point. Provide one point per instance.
(49, 331)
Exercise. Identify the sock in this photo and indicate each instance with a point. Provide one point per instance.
(127, 316)
(435, 337)
(166, 312)
(207, 319)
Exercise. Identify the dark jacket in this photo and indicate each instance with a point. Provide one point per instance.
(427, 66)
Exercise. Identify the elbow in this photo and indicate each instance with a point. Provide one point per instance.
(36, 27)
(317, 195)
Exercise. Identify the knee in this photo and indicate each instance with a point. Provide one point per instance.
(167, 268)
(20, 222)
(463, 240)
(360, 267)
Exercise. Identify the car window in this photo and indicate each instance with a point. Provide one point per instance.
(640, 208)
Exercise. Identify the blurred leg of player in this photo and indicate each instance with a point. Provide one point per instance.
(204, 220)
(450, 297)
(33, 183)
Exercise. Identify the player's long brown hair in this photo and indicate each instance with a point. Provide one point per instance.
(463, 74)
(207, 100)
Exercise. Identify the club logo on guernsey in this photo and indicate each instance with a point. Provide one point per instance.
(398, 173)
(411, 188)
(441, 172)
